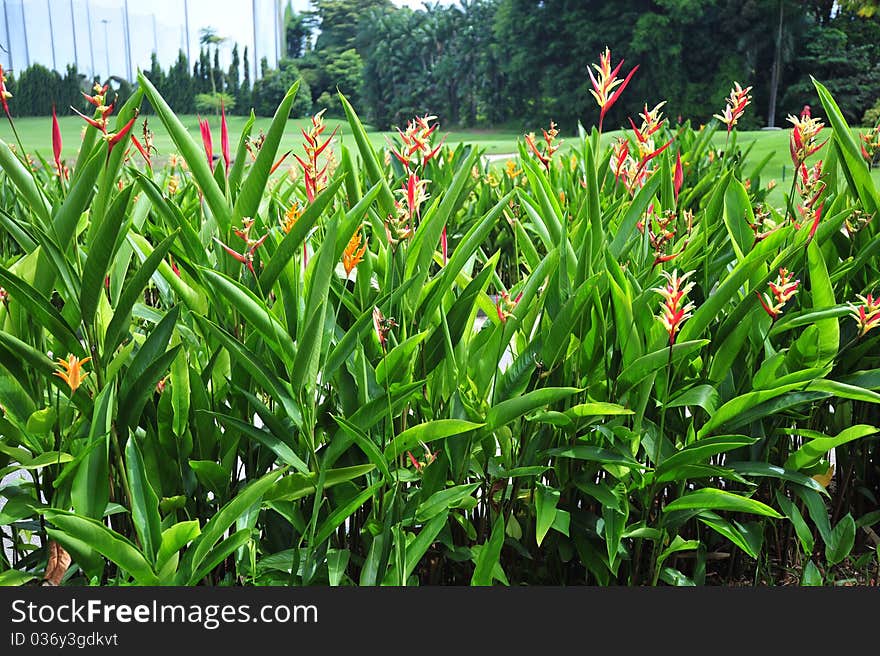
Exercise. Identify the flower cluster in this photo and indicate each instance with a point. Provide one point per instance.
(736, 105)
(102, 116)
(803, 142)
(251, 245)
(417, 149)
(291, 216)
(781, 292)
(70, 371)
(673, 310)
(871, 144)
(354, 252)
(810, 187)
(506, 305)
(634, 170)
(867, 315)
(607, 87)
(763, 225)
(315, 174)
(4, 93)
(545, 152)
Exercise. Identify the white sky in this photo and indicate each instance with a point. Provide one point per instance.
(154, 24)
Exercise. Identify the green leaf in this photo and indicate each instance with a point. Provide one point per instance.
(700, 451)
(342, 513)
(427, 433)
(812, 576)
(297, 486)
(254, 312)
(107, 542)
(175, 538)
(91, 490)
(216, 527)
(252, 189)
(121, 320)
(100, 255)
(144, 502)
(419, 546)
(731, 531)
(14, 577)
(646, 365)
(505, 412)
(842, 540)
(854, 166)
(714, 499)
(805, 535)
(365, 444)
(281, 449)
(41, 310)
(490, 555)
(811, 452)
(192, 153)
(546, 499)
(442, 501)
(293, 239)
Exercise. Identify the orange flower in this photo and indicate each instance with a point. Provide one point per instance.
(70, 371)
(291, 216)
(354, 252)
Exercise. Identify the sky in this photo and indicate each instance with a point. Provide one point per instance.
(91, 33)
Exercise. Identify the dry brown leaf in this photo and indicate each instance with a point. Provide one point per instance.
(825, 479)
(56, 567)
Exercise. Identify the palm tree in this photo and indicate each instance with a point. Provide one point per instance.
(207, 37)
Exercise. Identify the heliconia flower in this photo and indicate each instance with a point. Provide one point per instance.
(291, 216)
(803, 137)
(142, 150)
(871, 143)
(620, 154)
(100, 94)
(382, 325)
(677, 176)
(354, 252)
(604, 87)
(4, 93)
(70, 371)
(224, 138)
(97, 123)
(251, 245)
(867, 315)
(416, 148)
(205, 129)
(315, 177)
(511, 170)
(4, 296)
(279, 162)
(505, 305)
(736, 105)
(550, 147)
(113, 139)
(673, 312)
(56, 141)
(781, 292)
(444, 246)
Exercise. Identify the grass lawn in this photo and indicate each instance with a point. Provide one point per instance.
(36, 135)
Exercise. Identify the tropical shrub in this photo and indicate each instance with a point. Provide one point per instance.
(600, 365)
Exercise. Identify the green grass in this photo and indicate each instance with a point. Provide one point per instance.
(35, 134)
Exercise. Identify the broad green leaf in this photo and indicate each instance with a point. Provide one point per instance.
(546, 499)
(144, 502)
(715, 499)
(490, 555)
(91, 488)
(443, 500)
(815, 449)
(506, 411)
(107, 542)
(427, 433)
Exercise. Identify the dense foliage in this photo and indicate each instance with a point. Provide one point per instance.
(620, 365)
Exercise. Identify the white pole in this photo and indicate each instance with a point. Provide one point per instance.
(8, 42)
(128, 41)
(73, 31)
(51, 34)
(106, 45)
(91, 41)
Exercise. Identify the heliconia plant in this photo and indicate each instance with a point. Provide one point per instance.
(596, 365)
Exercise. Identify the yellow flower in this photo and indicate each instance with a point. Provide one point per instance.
(354, 253)
(291, 216)
(70, 371)
(511, 170)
